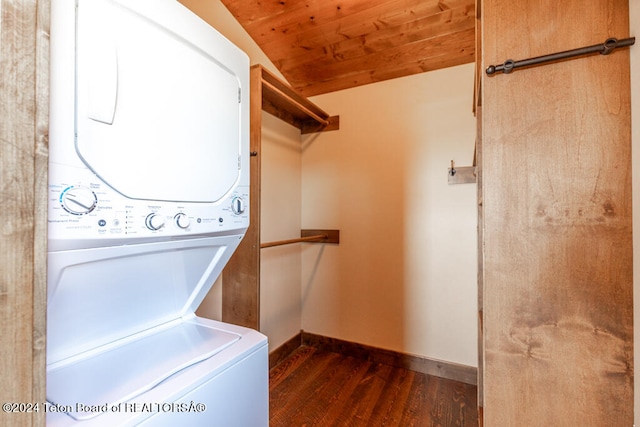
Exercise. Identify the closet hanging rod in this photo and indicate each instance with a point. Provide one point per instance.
(604, 49)
(298, 240)
(310, 236)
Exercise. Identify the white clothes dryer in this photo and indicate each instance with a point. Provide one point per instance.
(148, 199)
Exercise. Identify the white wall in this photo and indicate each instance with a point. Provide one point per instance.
(404, 276)
(280, 266)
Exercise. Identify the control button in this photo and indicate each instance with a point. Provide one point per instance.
(78, 200)
(182, 220)
(154, 222)
(237, 205)
(102, 223)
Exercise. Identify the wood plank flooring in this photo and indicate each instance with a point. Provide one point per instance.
(319, 388)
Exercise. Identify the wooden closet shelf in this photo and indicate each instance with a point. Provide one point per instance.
(279, 99)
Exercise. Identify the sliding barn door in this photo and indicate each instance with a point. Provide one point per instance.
(24, 100)
(557, 325)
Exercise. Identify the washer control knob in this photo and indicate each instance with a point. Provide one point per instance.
(78, 200)
(182, 220)
(154, 221)
(237, 205)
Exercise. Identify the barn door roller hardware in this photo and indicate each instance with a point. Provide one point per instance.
(604, 49)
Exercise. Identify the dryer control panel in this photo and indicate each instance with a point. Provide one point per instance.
(84, 207)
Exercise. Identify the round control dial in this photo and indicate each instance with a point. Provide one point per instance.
(78, 200)
(238, 206)
(154, 221)
(182, 220)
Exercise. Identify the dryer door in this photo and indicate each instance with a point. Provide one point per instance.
(158, 116)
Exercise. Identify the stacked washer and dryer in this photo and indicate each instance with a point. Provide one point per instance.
(148, 199)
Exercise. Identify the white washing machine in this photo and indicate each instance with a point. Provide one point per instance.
(148, 199)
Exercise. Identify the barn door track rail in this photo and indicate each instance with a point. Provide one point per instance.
(605, 48)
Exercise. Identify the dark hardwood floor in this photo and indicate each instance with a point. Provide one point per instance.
(319, 388)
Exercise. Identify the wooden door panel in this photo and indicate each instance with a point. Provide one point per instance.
(556, 165)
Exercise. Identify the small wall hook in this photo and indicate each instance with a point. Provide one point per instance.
(461, 175)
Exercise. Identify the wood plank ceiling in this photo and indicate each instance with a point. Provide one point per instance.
(322, 46)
